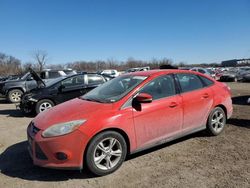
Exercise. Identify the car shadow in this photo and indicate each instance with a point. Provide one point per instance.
(240, 122)
(3, 101)
(241, 100)
(16, 162)
(12, 113)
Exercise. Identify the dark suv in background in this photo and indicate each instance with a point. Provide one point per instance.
(59, 90)
(13, 89)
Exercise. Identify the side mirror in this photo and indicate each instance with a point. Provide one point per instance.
(143, 98)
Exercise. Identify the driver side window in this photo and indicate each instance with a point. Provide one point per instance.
(73, 81)
(160, 87)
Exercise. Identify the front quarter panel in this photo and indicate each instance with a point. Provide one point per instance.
(120, 120)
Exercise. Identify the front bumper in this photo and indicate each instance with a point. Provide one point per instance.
(27, 106)
(43, 151)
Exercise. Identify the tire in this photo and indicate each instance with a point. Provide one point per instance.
(99, 158)
(14, 95)
(216, 121)
(43, 105)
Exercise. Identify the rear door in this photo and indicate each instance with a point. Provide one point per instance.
(197, 101)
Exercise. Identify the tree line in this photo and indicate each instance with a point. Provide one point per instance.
(10, 65)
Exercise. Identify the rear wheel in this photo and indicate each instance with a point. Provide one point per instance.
(14, 95)
(106, 153)
(43, 105)
(216, 121)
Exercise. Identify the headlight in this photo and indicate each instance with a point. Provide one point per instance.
(62, 128)
(32, 99)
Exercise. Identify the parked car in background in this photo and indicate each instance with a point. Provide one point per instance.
(112, 73)
(184, 68)
(246, 77)
(50, 74)
(138, 69)
(228, 76)
(59, 90)
(241, 72)
(125, 115)
(69, 71)
(14, 89)
(10, 77)
(203, 71)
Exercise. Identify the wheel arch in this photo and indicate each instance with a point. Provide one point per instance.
(118, 130)
(19, 88)
(223, 108)
(47, 98)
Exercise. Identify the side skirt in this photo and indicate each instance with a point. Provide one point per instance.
(169, 139)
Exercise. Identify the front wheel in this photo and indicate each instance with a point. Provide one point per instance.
(43, 105)
(14, 95)
(106, 153)
(216, 121)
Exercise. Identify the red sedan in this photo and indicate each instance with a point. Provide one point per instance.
(125, 115)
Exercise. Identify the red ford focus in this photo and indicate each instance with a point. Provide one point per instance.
(127, 114)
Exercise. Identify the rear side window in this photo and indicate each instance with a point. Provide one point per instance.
(95, 79)
(73, 81)
(207, 81)
(160, 87)
(189, 82)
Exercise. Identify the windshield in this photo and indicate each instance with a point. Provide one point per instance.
(115, 89)
(25, 76)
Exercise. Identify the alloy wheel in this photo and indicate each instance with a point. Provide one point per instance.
(16, 96)
(218, 121)
(107, 153)
(45, 106)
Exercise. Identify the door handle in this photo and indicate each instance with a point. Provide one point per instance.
(173, 104)
(205, 95)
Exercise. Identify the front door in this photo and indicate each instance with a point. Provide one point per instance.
(162, 118)
(71, 88)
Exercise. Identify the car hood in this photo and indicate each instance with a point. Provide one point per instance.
(36, 77)
(74, 109)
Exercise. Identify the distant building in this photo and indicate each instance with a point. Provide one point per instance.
(234, 62)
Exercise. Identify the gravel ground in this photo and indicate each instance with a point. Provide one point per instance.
(193, 161)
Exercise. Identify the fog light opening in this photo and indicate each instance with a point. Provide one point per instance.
(61, 156)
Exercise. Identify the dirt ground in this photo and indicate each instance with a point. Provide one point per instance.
(194, 161)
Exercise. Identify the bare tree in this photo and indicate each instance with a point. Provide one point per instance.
(41, 58)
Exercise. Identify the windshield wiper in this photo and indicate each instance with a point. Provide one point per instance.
(93, 99)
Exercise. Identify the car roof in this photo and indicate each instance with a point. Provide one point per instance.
(159, 72)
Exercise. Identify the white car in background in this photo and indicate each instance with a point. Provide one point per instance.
(204, 71)
(110, 72)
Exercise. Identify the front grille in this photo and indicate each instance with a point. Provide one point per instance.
(39, 153)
